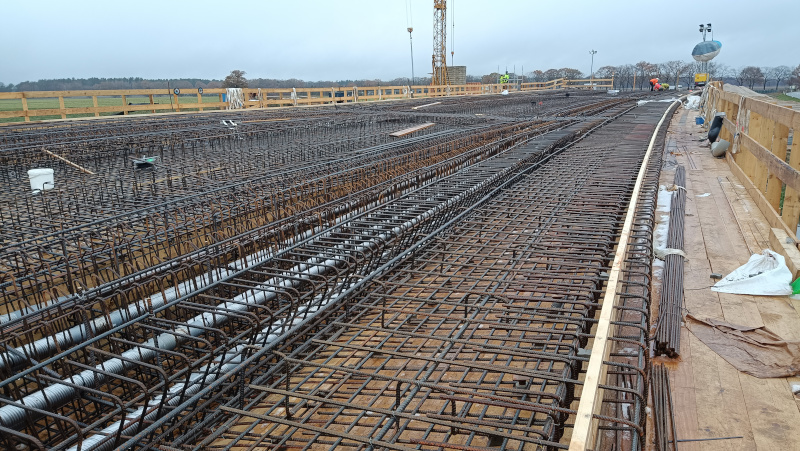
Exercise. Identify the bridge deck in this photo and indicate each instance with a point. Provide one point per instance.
(713, 399)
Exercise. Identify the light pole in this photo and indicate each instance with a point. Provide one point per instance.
(591, 69)
(704, 29)
(411, 43)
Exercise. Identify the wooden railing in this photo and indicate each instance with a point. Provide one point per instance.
(562, 83)
(46, 105)
(759, 132)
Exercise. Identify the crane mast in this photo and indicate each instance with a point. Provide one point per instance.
(439, 74)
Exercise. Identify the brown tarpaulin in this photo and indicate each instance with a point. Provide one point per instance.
(756, 351)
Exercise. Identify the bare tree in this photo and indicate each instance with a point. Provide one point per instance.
(740, 77)
(537, 76)
(551, 74)
(723, 71)
(749, 76)
(769, 73)
(673, 70)
(490, 78)
(795, 80)
(235, 80)
(605, 72)
(570, 73)
(624, 76)
(781, 73)
(644, 71)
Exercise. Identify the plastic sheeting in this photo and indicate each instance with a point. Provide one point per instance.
(756, 351)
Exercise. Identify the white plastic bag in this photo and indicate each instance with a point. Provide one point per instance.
(765, 274)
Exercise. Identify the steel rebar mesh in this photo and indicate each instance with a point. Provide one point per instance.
(239, 291)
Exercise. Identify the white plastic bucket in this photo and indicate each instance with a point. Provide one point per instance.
(41, 179)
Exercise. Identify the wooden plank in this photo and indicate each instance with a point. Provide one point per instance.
(124, 106)
(416, 128)
(94, 102)
(697, 269)
(61, 107)
(426, 105)
(724, 241)
(684, 397)
(773, 424)
(80, 168)
(721, 408)
(591, 394)
(780, 114)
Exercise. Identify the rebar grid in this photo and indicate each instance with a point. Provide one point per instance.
(474, 343)
(226, 304)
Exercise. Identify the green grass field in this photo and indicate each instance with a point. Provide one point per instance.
(83, 102)
(784, 97)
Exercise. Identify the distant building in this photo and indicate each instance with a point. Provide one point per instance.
(457, 75)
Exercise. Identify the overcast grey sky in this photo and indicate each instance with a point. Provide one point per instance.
(365, 39)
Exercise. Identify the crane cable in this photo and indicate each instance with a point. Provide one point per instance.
(452, 31)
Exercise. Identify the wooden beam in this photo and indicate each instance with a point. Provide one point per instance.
(781, 169)
(772, 216)
(25, 109)
(80, 168)
(416, 128)
(423, 106)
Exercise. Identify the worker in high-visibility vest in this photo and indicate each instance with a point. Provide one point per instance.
(504, 78)
(653, 83)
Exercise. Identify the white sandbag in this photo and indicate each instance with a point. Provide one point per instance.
(765, 274)
(692, 103)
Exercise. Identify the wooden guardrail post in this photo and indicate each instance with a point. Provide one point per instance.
(124, 105)
(94, 102)
(25, 108)
(61, 107)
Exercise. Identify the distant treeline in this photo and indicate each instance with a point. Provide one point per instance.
(80, 84)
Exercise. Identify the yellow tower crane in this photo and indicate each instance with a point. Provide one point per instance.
(439, 74)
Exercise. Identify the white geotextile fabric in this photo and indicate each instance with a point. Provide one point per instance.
(235, 98)
(692, 103)
(765, 274)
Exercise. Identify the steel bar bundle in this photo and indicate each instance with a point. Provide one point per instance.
(670, 310)
(663, 409)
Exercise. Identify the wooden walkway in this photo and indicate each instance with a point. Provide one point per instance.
(723, 227)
